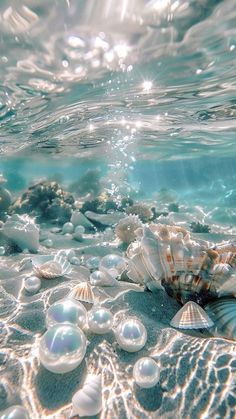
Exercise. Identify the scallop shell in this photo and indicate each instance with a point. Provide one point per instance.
(83, 292)
(88, 400)
(51, 269)
(191, 316)
(223, 313)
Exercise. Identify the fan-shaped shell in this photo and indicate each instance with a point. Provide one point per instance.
(223, 313)
(191, 316)
(55, 268)
(83, 292)
(88, 400)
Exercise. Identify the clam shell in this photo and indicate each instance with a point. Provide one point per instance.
(83, 292)
(191, 316)
(223, 313)
(52, 268)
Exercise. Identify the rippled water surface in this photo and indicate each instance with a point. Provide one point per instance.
(134, 99)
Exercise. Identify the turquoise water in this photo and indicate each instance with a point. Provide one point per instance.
(128, 100)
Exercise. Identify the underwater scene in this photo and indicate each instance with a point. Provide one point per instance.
(117, 209)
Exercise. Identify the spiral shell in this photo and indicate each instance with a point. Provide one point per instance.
(88, 400)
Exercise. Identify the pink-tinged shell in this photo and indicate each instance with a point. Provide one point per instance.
(191, 316)
(55, 268)
(83, 292)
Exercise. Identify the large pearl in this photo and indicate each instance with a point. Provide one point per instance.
(97, 278)
(93, 262)
(131, 335)
(146, 372)
(113, 262)
(100, 320)
(15, 412)
(32, 284)
(67, 228)
(62, 348)
(66, 311)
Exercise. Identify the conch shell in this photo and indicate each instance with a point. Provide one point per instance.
(88, 400)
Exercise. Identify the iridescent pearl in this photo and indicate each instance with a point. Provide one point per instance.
(62, 348)
(67, 228)
(48, 243)
(113, 262)
(100, 320)
(79, 230)
(75, 261)
(93, 262)
(15, 412)
(146, 372)
(2, 250)
(32, 284)
(131, 335)
(66, 311)
(97, 278)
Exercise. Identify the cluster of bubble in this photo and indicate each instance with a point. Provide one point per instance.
(76, 232)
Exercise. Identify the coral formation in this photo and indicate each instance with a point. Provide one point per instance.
(196, 227)
(47, 201)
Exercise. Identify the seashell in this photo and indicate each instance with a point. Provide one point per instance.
(78, 218)
(143, 211)
(191, 316)
(23, 231)
(55, 268)
(109, 219)
(126, 227)
(88, 400)
(102, 278)
(223, 313)
(83, 292)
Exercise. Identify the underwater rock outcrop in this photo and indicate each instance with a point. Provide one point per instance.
(23, 231)
(46, 201)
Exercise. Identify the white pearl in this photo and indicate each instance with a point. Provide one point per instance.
(62, 348)
(97, 278)
(131, 335)
(32, 284)
(2, 250)
(67, 228)
(80, 230)
(146, 372)
(100, 320)
(48, 243)
(66, 311)
(75, 261)
(93, 262)
(113, 262)
(71, 254)
(15, 412)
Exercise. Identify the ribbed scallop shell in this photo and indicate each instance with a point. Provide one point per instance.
(191, 316)
(223, 313)
(55, 268)
(83, 292)
(88, 400)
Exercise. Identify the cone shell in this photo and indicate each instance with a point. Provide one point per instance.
(88, 400)
(223, 313)
(83, 292)
(191, 316)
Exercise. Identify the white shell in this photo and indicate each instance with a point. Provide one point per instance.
(88, 400)
(108, 219)
(55, 268)
(78, 218)
(223, 312)
(83, 292)
(191, 316)
(23, 231)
